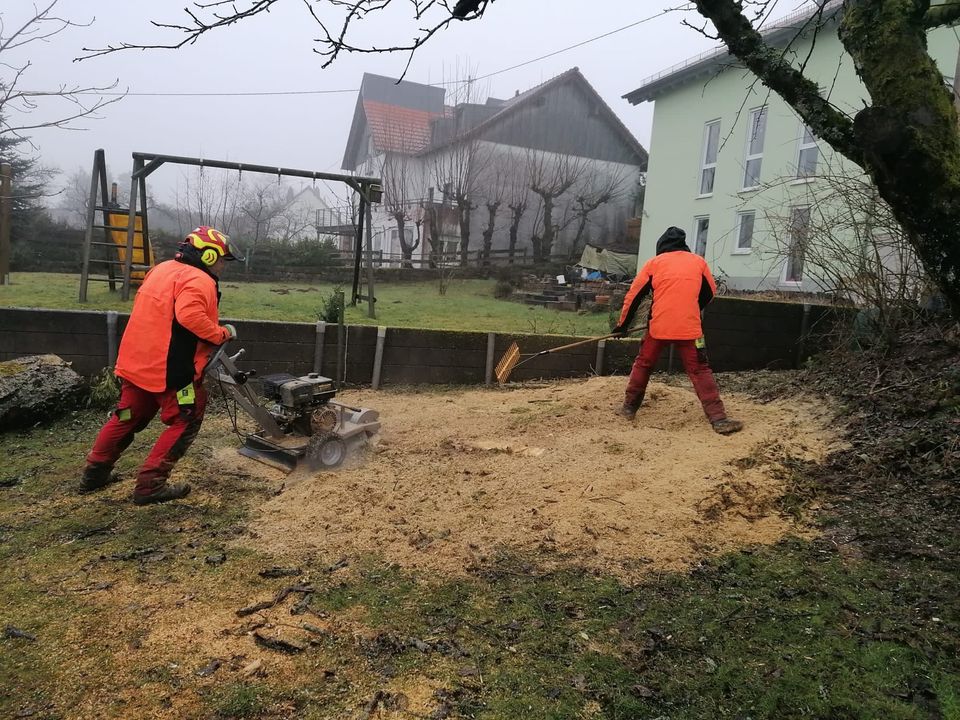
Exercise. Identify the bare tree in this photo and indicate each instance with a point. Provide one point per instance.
(209, 200)
(400, 173)
(517, 194)
(596, 189)
(812, 242)
(493, 190)
(291, 223)
(550, 176)
(434, 213)
(75, 196)
(23, 109)
(260, 205)
(457, 169)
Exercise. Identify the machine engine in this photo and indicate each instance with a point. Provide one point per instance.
(300, 403)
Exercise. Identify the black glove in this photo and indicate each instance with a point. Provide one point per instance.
(620, 331)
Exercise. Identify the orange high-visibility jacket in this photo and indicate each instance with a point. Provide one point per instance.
(681, 284)
(172, 329)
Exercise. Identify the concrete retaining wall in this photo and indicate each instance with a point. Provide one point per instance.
(741, 335)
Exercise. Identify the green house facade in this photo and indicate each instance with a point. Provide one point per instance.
(733, 165)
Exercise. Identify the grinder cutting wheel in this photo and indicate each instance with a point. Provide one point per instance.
(300, 424)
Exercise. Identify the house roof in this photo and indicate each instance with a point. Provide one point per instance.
(780, 32)
(514, 104)
(396, 115)
(398, 129)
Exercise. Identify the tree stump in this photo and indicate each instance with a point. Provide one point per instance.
(37, 388)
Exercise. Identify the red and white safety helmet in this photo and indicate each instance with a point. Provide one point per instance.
(212, 245)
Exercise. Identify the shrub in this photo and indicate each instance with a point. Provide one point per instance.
(331, 306)
(104, 390)
(511, 274)
(503, 289)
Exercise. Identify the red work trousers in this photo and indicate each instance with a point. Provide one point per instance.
(137, 407)
(694, 362)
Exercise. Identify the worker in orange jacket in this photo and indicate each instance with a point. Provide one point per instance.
(682, 285)
(166, 344)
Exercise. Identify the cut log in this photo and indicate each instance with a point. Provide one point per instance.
(36, 388)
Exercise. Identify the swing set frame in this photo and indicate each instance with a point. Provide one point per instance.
(370, 190)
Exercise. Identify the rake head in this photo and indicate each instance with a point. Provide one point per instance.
(509, 360)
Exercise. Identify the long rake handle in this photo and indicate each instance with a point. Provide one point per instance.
(577, 344)
(581, 342)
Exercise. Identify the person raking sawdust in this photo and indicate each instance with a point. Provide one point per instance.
(173, 329)
(681, 285)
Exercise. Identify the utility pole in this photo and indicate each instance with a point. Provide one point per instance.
(6, 219)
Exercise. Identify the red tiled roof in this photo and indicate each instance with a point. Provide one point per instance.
(398, 129)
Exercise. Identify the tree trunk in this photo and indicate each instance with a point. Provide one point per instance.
(488, 231)
(435, 243)
(464, 232)
(546, 243)
(406, 251)
(911, 148)
(581, 227)
(537, 244)
(516, 216)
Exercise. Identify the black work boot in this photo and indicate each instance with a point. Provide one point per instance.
(627, 411)
(97, 477)
(726, 426)
(162, 494)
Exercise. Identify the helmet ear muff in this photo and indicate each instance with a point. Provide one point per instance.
(209, 256)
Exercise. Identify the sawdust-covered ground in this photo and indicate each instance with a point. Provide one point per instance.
(458, 476)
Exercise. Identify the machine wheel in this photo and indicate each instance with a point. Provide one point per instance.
(326, 452)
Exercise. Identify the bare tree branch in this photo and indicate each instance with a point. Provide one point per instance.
(779, 74)
(203, 18)
(16, 102)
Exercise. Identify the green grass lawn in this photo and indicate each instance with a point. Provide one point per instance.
(467, 305)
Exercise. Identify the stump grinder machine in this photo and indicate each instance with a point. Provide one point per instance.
(300, 423)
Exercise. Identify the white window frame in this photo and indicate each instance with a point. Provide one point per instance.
(801, 146)
(748, 157)
(704, 165)
(738, 249)
(784, 280)
(696, 234)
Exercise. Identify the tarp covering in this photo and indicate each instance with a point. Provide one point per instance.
(609, 262)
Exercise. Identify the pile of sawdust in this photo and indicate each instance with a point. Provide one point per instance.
(459, 476)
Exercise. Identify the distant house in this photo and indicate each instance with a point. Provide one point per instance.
(450, 165)
(734, 165)
(301, 215)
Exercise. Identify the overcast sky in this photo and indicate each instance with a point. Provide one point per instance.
(275, 52)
